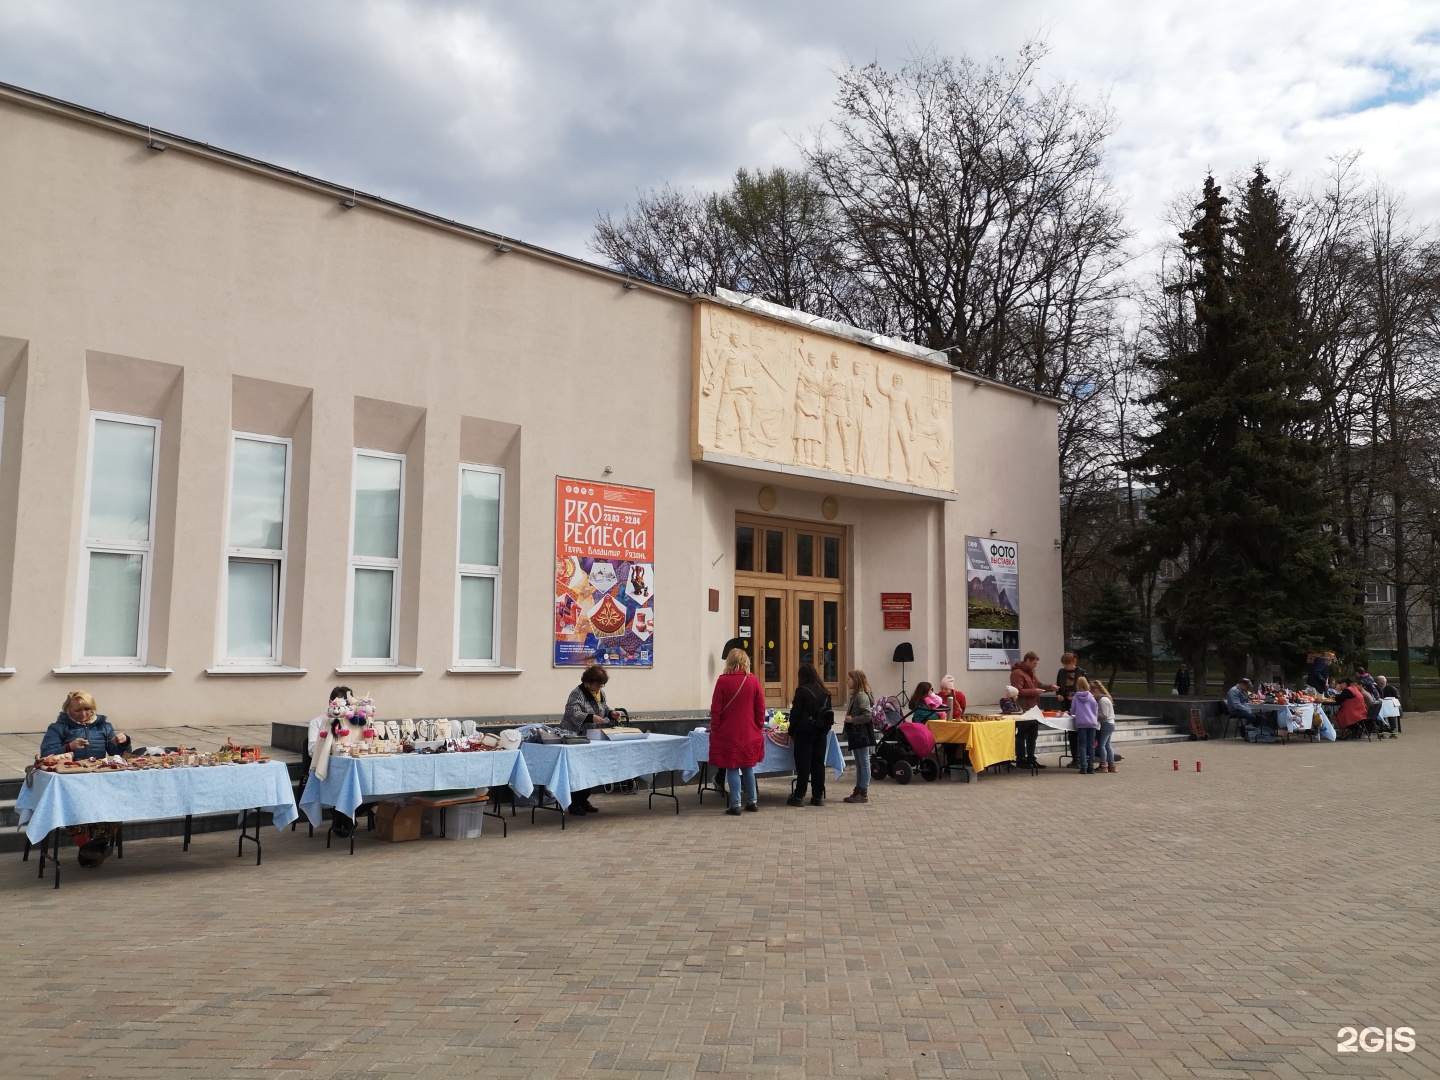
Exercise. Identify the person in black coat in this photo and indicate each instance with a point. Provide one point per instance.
(811, 718)
(1182, 681)
(1069, 674)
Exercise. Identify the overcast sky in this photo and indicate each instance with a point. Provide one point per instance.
(529, 118)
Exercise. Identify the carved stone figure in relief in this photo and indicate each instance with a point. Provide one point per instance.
(805, 431)
(899, 427)
(731, 370)
(839, 428)
(772, 390)
(862, 410)
(935, 433)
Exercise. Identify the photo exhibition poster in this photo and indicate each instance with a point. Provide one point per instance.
(992, 591)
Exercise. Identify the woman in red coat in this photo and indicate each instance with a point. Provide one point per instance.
(737, 725)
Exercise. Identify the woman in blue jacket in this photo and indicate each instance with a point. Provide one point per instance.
(82, 733)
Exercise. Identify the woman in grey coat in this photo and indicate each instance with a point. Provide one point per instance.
(586, 707)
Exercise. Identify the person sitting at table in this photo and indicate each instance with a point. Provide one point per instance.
(1353, 708)
(810, 721)
(737, 725)
(1237, 701)
(586, 707)
(82, 732)
(922, 708)
(1010, 702)
(1387, 690)
(953, 700)
(1365, 679)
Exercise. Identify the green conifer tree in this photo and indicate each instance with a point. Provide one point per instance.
(1114, 629)
(1238, 504)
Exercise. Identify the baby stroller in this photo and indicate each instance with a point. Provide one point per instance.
(902, 747)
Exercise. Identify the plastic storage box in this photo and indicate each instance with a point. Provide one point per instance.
(464, 822)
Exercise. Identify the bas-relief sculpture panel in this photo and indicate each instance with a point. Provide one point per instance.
(782, 394)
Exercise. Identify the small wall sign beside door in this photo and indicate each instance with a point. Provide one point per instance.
(895, 610)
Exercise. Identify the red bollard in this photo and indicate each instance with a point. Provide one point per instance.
(1175, 764)
(1197, 766)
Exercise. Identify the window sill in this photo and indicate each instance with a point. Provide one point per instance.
(7, 671)
(490, 669)
(378, 669)
(111, 669)
(255, 669)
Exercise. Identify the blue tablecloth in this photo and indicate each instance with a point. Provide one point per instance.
(778, 760)
(55, 800)
(352, 781)
(563, 769)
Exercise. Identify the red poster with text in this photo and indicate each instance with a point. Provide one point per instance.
(604, 574)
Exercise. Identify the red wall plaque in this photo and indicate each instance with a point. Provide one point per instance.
(897, 620)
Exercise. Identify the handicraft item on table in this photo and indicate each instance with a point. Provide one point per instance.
(178, 758)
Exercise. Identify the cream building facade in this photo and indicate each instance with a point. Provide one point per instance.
(262, 435)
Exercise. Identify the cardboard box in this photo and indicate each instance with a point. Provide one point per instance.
(394, 823)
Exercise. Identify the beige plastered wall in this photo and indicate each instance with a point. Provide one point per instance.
(908, 544)
(217, 298)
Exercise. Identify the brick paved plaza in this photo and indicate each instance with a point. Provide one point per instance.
(1147, 924)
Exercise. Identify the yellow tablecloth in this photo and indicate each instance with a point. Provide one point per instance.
(987, 740)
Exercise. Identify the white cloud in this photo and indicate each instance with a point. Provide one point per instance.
(529, 119)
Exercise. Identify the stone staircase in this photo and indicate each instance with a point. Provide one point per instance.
(1129, 731)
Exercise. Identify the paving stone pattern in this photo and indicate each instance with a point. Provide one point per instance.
(1148, 924)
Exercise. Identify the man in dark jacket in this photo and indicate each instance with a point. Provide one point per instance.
(1182, 681)
(1070, 671)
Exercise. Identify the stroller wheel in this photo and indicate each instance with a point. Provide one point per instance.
(902, 772)
(929, 771)
(879, 768)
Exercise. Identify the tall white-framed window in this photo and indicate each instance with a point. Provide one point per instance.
(477, 579)
(256, 539)
(372, 621)
(115, 567)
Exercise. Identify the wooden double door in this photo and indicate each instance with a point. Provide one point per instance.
(790, 603)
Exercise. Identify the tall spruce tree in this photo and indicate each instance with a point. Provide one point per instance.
(1238, 504)
(1115, 630)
